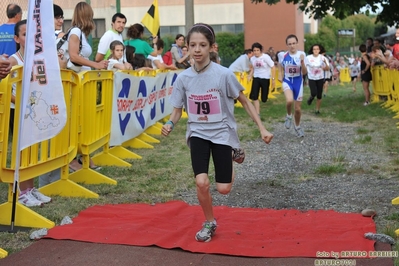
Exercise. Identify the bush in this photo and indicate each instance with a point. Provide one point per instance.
(231, 46)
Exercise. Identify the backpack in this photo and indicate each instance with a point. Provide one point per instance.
(167, 58)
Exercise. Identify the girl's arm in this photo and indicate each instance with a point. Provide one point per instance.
(303, 67)
(161, 65)
(250, 109)
(280, 72)
(173, 119)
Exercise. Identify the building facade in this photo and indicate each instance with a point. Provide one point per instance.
(259, 22)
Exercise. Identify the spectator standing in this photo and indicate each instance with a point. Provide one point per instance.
(29, 196)
(58, 23)
(135, 34)
(14, 15)
(179, 60)
(82, 25)
(55, 175)
(243, 63)
(157, 61)
(115, 34)
(366, 77)
(395, 48)
(369, 44)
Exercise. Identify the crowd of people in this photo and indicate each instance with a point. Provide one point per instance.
(206, 90)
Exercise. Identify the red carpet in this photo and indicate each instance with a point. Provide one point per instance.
(241, 231)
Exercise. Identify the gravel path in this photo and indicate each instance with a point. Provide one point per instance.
(283, 174)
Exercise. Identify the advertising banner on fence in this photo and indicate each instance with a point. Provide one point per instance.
(138, 103)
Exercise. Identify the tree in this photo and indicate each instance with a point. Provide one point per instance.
(327, 34)
(344, 8)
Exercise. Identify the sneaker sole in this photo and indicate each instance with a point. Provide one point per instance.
(205, 241)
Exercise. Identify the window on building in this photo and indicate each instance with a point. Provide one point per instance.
(233, 28)
(98, 32)
(172, 30)
(306, 28)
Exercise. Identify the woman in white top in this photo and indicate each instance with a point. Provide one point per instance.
(316, 64)
(82, 24)
(79, 52)
(263, 69)
(157, 61)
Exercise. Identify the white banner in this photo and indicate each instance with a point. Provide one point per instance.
(43, 109)
(139, 102)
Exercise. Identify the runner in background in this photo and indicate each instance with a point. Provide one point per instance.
(316, 64)
(291, 70)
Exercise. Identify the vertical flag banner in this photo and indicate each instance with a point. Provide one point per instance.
(151, 19)
(43, 109)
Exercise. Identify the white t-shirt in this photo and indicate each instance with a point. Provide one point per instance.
(354, 70)
(241, 64)
(291, 64)
(154, 58)
(208, 98)
(105, 41)
(86, 48)
(262, 66)
(112, 62)
(314, 65)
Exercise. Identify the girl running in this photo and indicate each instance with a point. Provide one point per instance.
(207, 91)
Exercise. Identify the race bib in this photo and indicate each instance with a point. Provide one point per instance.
(204, 108)
(292, 71)
(315, 71)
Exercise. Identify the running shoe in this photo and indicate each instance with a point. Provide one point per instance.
(28, 200)
(310, 100)
(299, 132)
(39, 196)
(366, 103)
(288, 122)
(238, 155)
(207, 231)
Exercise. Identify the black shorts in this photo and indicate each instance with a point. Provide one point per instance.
(261, 85)
(353, 78)
(201, 150)
(366, 77)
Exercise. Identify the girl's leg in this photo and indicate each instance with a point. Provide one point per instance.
(204, 196)
(366, 91)
(298, 113)
(254, 95)
(354, 84)
(289, 99)
(257, 106)
(200, 150)
(24, 185)
(325, 88)
(319, 93)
